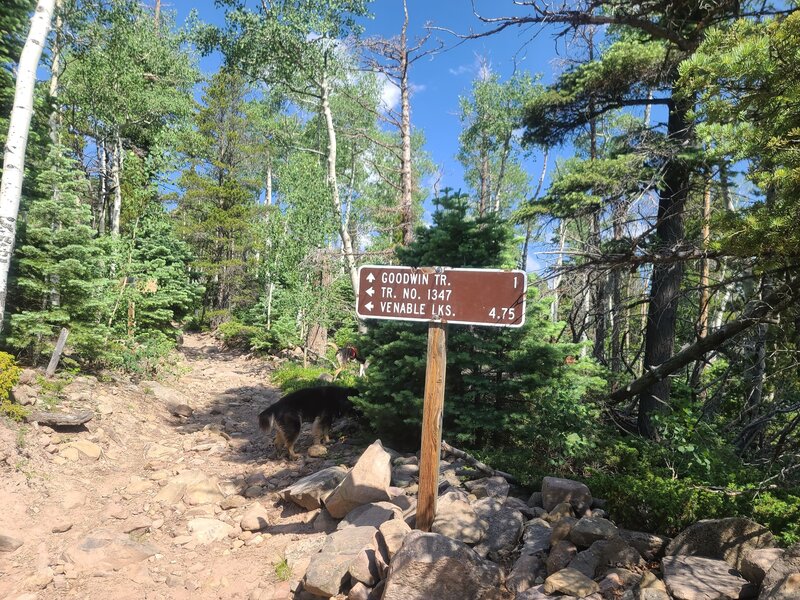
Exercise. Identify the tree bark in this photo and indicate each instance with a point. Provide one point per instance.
(17, 139)
(406, 179)
(666, 279)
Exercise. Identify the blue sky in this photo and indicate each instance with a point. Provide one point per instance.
(441, 79)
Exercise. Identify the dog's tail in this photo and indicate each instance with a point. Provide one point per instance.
(266, 420)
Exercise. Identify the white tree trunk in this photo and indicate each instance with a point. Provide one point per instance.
(17, 140)
(333, 183)
(406, 181)
(116, 173)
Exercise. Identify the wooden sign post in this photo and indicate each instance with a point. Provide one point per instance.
(432, 413)
(439, 295)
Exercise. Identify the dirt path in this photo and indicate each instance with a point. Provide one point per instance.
(172, 486)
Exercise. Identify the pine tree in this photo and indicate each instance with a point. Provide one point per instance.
(62, 276)
(495, 377)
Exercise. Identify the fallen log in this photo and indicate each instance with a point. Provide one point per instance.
(60, 419)
(474, 462)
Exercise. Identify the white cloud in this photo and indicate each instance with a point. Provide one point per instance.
(390, 95)
(460, 70)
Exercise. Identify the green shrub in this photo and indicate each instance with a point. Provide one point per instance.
(235, 334)
(290, 377)
(658, 504)
(779, 511)
(9, 376)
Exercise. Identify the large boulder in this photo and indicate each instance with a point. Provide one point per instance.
(525, 572)
(589, 561)
(503, 533)
(329, 569)
(373, 514)
(310, 492)
(649, 545)
(588, 530)
(368, 481)
(788, 588)
(456, 519)
(561, 554)
(727, 539)
(536, 537)
(393, 534)
(104, 550)
(786, 565)
(757, 563)
(571, 583)
(430, 565)
(556, 490)
(491, 487)
(700, 578)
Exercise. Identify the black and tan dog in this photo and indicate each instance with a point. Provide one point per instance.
(320, 405)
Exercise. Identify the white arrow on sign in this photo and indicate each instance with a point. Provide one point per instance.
(370, 292)
(370, 277)
(369, 306)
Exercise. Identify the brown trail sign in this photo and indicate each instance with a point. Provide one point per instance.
(439, 295)
(443, 295)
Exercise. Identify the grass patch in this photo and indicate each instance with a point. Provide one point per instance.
(283, 572)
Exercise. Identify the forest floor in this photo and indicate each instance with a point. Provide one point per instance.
(82, 517)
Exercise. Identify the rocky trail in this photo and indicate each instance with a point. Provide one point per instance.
(143, 501)
(171, 491)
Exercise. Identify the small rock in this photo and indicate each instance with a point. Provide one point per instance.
(40, 580)
(649, 545)
(495, 487)
(61, 526)
(206, 530)
(8, 543)
(328, 570)
(787, 564)
(180, 410)
(104, 550)
(234, 501)
(70, 453)
(255, 518)
(317, 451)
